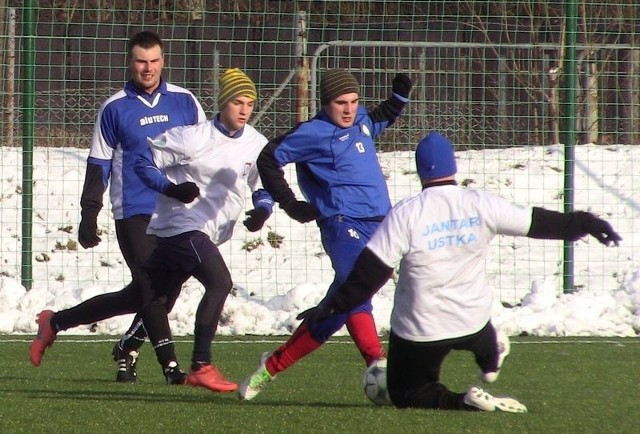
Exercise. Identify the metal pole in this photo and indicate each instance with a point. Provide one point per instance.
(303, 69)
(28, 102)
(9, 80)
(569, 129)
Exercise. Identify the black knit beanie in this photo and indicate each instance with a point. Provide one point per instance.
(336, 82)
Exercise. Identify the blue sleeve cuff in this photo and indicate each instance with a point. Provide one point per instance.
(399, 97)
(262, 199)
(150, 174)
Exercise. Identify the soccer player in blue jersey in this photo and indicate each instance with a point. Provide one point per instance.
(146, 107)
(346, 194)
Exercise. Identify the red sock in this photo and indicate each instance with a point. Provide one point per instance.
(297, 346)
(362, 329)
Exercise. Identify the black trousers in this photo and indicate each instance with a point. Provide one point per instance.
(413, 368)
(174, 260)
(136, 247)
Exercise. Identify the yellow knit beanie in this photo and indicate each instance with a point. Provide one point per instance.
(235, 83)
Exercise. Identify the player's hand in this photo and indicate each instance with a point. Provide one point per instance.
(316, 314)
(88, 232)
(401, 85)
(300, 210)
(599, 229)
(185, 192)
(256, 219)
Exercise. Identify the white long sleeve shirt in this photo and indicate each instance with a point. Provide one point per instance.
(221, 166)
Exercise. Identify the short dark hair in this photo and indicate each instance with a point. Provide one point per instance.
(145, 39)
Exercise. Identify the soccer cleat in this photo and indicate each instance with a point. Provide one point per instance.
(378, 360)
(209, 377)
(127, 372)
(44, 339)
(483, 401)
(504, 348)
(174, 375)
(371, 360)
(253, 384)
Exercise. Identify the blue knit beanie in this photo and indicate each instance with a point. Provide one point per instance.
(435, 157)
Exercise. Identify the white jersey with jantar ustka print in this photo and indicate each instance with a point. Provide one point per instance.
(441, 239)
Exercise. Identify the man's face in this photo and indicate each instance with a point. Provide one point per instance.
(146, 66)
(342, 109)
(236, 113)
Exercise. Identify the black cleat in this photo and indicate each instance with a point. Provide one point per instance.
(126, 365)
(174, 375)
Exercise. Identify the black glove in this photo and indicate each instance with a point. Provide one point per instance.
(598, 228)
(401, 85)
(256, 219)
(185, 192)
(316, 314)
(300, 210)
(88, 232)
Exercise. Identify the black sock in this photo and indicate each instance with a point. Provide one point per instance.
(196, 366)
(165, 355)
(53, 324)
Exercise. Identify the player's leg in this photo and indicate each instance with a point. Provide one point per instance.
(126, 356)
(136, 246)
(156, 322)
(125, 352)
(413, 375)
(343, 247)
(490, 348)
(166, 274)
(301, 343)
(413, 378)
(95, 309)
(343, 240)
(212, 272)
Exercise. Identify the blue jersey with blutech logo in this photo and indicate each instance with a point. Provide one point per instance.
(124, 122)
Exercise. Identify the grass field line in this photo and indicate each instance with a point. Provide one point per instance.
(276, 339)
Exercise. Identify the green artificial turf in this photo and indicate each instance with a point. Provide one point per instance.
(570, 385)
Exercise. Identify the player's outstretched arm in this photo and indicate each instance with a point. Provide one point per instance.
(390, 109)
(369, 274)
(553, 225)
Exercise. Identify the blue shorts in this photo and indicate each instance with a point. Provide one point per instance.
(343, 238)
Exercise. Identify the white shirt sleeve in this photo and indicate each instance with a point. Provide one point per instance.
(508, 218)
(178, 145)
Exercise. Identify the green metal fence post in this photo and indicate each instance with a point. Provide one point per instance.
(569, 129)
(28, 102)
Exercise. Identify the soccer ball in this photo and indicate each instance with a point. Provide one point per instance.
(375, 383)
